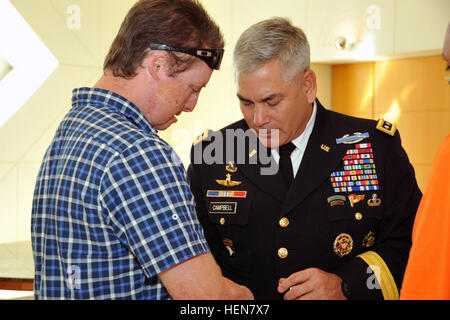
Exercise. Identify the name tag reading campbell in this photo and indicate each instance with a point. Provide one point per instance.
(223, 207)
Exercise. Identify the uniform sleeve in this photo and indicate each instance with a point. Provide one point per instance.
(378, 273)
(147, 202)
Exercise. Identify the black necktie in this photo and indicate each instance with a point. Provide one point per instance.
(286, 163)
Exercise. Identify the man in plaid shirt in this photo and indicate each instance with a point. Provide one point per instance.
(113, 216)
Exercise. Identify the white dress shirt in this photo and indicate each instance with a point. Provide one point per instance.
(300, 142)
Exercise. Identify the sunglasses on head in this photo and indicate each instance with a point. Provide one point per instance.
(212, 57)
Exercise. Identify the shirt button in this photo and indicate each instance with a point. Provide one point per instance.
(282, 253)
(358, 216)
(284, 222)
(222, 221)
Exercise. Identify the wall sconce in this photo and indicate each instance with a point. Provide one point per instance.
(342, 43)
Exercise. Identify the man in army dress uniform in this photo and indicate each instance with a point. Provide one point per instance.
(334, 220)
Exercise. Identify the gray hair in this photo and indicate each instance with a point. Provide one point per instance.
(269, 39)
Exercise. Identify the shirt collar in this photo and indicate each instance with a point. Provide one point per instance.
(301, 141)
(102, 97)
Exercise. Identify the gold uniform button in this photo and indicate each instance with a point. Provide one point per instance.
(282, 253)
(358, 216)
(222, 221)
(284, 222)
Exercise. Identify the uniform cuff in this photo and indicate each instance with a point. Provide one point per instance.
(359, 281)
(383, 274)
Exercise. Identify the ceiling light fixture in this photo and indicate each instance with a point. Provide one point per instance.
(342, 43)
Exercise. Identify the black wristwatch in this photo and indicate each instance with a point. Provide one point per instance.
(345, 290)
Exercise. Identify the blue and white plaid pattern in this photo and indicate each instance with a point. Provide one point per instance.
(112, 207)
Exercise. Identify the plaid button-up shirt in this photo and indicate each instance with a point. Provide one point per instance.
(112, 207)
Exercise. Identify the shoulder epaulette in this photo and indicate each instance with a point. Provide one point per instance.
(201, 137)
(386, 127)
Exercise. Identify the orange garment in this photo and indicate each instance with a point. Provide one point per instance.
(427, 274)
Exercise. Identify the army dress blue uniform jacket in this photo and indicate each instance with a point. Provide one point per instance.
(259, 231)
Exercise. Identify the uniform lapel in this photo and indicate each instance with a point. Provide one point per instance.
(272, 185)
(254, 171)
(317, 163)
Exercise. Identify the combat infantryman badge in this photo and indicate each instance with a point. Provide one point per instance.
(355, 138)
(343, 244)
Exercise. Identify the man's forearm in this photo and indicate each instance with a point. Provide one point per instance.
(200, 278)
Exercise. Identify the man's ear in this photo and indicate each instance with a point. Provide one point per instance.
(310, 84)
(156, 65)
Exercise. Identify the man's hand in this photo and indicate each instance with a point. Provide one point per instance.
(311, 284)
(233, 291)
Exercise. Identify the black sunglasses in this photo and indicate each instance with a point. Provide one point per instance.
(212, 57)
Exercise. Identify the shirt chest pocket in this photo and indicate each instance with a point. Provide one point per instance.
(358, 214)
(359, 223)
